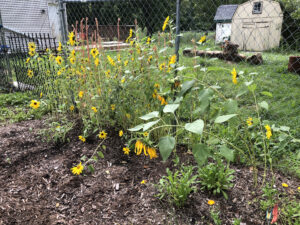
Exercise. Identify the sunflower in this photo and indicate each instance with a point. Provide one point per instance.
(234, 75)
(130, 35)
(172, 60)
(31, 53)
(126, 151)
(30, 73)
(249, 121)
(73, 53)
(121, 133)
(126, 63)
(77, 170)
(148, 41)
(27, 60)
(162, 66)
(102, 135)
(150, 58)
(35, 104)
(72, 60)
(165, 23)
(31, 46)
(59, 60)
(94, 109)
(80, 94)
(81, 138)
(113, 107)
(71, 38)
(96, 62)
(72, 107)
(111, 61)
(152, 153)
(59, 48)
(94, 52)
(269, 131)
(202, 39)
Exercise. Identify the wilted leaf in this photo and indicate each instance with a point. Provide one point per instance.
(166, 146)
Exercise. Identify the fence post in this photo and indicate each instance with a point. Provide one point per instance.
(63, 22)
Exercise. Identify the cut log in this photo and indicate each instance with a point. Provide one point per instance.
(294, 64)
(255, 59)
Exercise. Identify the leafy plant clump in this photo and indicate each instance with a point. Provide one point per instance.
(216, 177)
(177, 186)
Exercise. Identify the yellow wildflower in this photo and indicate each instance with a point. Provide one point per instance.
(107, 73)
(148, 41)
(102, 135)
(162, 66)
(143, 182)
(132, 58)
(72, 107)
(94, 52)
(138, 147)
(202, 39)
(27, 60)
(113, 107)
(249, 121)
(145, 134)
(284, 185)
(81, 138)
(111, 61)
(71, 38)
(126, 151)
(59, 48)
(234, 75)
(123, 81)
(165, 23)
(77, 170)
(94, 109)
(35, 104)
(31, 46)
(268, 131)
(96, 62)
(298, 188)
(72, 60)
(80, 94)
(31, 53)
(59, 60)
(41, 94)
(211, 202)
(172, 60)
(120, 133)
(131, 43)
(30, 73)
(59, 72)
(126, 63)
(119, 58)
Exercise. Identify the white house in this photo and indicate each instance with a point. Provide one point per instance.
(254, 25)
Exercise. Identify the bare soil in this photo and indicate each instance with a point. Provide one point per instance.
(37, 186)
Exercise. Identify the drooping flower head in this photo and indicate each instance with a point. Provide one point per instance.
(71, 38)
(77, 170)
(129, 36)
(96, 62)
(165, 23)
(234, 75)
(172, 60)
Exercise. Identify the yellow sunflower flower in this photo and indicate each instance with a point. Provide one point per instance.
(96, 62)
(94, 109)
(77, 170)
(72, 107)
(129, 36)
(80, 94)
(81, 138)
(150, 58)
(94, 52)
(125, 62)
(59, 48)
(121, 133)
(285, 185)
(126, 151)
(234, 75)
(73, 53)
(34, 104)
(71, 38)
(102, 135)
(113, 107)
(268, 131)
(31, 53)
(162, 66)
(111, 61)
(145, 134)
(202, 39)
(148, 41)
(165, 23)
(59, 60)
(28, 60)
(72, 60)
(128, 115)
(31, 46)
(172, 60)
(249, 121)
(211, 202)
(30, 73)
(143, 181)
(152, 153)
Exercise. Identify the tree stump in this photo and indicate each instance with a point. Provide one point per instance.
(294, 64)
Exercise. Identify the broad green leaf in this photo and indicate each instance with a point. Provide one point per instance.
(282, 137)
(186, 86)
(284, 128)
(241, 92)
(222, 119)
(231, 106)
(181, 68)
(195, 127)
(166, 146)
(227, 153)
(266, 93)
(91, 168)
(150, 124)
(83, 158)
(150, 115)
(264, 105)
(201, 153)
(205, 94)
(100, 154)
(170, 108)
(298, 156)
(137, 128)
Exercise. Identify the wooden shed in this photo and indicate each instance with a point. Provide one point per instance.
(256, 25)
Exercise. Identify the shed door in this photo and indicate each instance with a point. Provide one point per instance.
(54, 20)
(256, 36)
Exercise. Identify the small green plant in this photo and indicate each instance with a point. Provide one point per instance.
(177, 186)
(237, 221)
(269, 197)
(214, 214)
(290, 213)
(216, 177)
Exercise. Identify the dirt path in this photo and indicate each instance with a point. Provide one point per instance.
(37, 186)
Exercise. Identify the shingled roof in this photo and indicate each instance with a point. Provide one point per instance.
(225, 13)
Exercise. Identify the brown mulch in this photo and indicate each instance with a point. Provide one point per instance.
(37, 186)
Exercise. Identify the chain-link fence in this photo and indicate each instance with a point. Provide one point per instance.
(230, 29)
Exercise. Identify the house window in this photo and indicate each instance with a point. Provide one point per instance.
(257, 8)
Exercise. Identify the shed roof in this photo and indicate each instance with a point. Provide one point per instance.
(225, 13)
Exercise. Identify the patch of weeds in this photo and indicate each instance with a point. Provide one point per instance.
(177, 186)
(290, 213)
(215, 216)
(270, 197)
(216, 177)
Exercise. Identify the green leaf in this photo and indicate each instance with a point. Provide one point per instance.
(284, 128)
(150, 115)
(186, 86)
(195, 127)
(298, 156)
(201, 153)
(95, 158)
(266, 93)
(91, 168)
(205, 94)
(222, 119)
(137, 128)
(231, 106)
(241, 92)
(100, 154)
(166, 145)
(264, 105)
(150, 124)
(252, 87)
(227, 153)
(170, 108)
(83, 158)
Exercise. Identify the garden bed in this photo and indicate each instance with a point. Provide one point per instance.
(37, 186)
